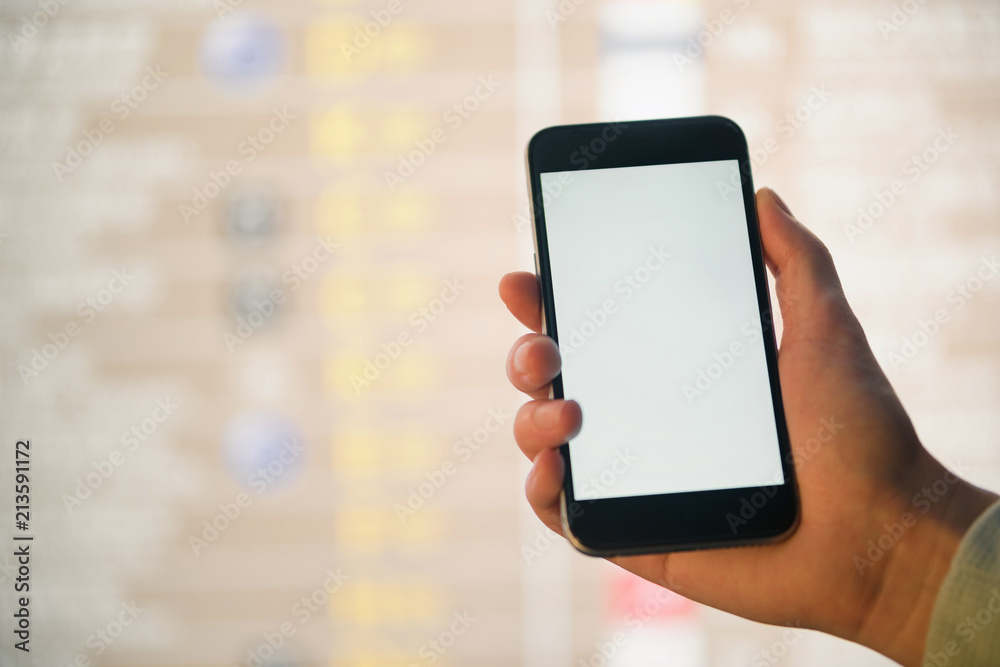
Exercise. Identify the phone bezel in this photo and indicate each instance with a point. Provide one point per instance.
(677, 521)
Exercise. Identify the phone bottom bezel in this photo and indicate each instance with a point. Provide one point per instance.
(681, 521)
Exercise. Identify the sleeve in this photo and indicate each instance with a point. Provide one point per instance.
(965, 623)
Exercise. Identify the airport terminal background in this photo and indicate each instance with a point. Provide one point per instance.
(251, 327)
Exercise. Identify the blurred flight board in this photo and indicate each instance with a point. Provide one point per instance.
(249, 255)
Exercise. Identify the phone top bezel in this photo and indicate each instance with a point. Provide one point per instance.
(678, 521)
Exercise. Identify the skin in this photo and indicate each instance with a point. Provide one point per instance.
(865, 476)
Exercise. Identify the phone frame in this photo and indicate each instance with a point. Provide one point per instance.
(675, 521)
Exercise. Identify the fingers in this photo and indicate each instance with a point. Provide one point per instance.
(545, 424)
(519, 291)
(806, 280)
(543, 486)
(788, 245)
(532, 363)
(542, 425)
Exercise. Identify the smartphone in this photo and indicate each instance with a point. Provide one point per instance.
(653, 285)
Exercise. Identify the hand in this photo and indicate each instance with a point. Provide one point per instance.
(863, 478)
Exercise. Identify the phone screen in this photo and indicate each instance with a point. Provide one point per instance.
(659, 329)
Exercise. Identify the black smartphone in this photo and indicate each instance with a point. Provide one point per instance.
(653, 285)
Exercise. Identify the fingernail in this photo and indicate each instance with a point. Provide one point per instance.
(780, 202)
(546, 415)
(521, 359)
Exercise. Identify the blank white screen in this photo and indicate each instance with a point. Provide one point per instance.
(664, 354)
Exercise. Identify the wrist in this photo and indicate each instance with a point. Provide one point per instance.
(935, 515)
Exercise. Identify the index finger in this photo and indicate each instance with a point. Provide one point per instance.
(519, 291)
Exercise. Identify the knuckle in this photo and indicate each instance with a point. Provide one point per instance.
(522, 421)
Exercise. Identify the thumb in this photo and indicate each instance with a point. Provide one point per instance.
(805, 278)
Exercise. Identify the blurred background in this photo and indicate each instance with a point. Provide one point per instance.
(249, 254)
